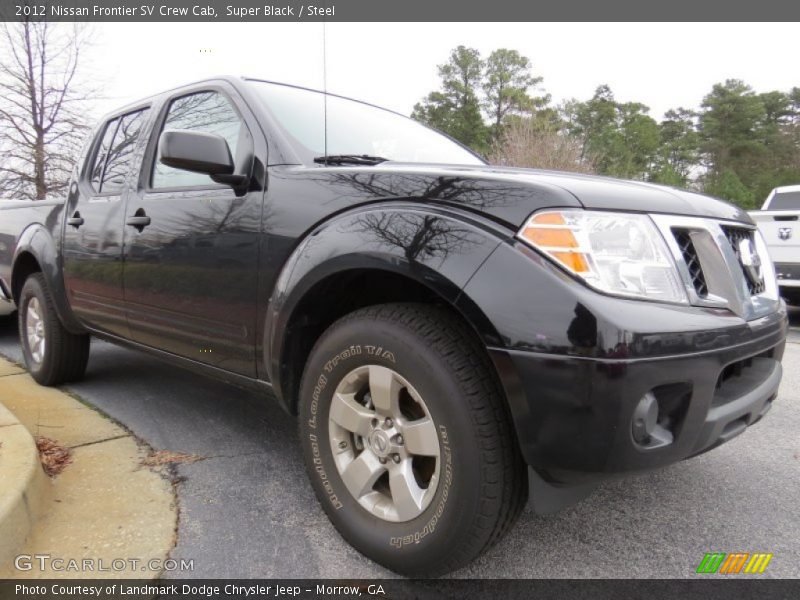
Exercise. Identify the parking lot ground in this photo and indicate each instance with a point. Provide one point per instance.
(247, 509)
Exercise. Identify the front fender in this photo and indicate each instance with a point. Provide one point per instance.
(37, 241)
(437, 247)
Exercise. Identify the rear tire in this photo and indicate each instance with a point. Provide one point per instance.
(52, 354)
(468, 489)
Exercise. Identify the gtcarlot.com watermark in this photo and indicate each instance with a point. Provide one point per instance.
(47, 562)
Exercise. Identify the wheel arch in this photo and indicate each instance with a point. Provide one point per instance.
(36, 252)
(331, 274)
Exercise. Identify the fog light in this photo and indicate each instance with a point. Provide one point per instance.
(645, 428)
(645, 418)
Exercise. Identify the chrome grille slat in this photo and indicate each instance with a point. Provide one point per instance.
(689, 253)
(735, 236)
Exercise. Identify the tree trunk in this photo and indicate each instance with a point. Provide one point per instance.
(38, 167)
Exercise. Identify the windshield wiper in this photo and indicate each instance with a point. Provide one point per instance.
(350, 159)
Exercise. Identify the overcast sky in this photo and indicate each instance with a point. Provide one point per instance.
(663, 65)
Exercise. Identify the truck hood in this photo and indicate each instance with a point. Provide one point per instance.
(527, 190)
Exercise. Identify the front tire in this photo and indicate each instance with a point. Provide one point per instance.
(407, 439)
(52, 354)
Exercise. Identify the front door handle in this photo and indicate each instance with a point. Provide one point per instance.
(75, 220)
(139, 220)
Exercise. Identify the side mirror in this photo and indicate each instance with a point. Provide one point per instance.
(199, 152)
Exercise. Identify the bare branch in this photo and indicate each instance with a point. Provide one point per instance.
(43, 115)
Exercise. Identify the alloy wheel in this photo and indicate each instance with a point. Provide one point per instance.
(384, 443)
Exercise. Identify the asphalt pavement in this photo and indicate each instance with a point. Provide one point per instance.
(247, 509)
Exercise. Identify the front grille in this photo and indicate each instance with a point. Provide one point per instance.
(689, 253)
(735, 236)
(706, 252)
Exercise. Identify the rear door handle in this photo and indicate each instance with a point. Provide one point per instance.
(75, 220)
(139, 220)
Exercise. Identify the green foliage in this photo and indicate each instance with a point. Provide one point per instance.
(667, 175)
(753, 137)
(729, 124)
(738, 145)
(472, 88)
(727, 185)
(506, 83)
(679, 149)
(456, 109)
(620, 138)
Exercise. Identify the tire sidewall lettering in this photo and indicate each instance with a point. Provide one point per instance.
(347, 359)
(447, 479)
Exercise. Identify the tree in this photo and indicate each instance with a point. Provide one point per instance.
(43, 113)
(639, 141)
(679, 150)
(729, 121)
(750, 141)
(591, 121)
(456, 109)
(506, 83)
(621, 138)
(778, 163)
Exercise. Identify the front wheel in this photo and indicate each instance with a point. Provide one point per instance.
(407, 439)
(52, 354)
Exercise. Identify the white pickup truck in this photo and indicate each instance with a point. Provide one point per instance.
(779, 222)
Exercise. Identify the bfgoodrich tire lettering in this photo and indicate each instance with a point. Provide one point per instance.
(481, 485)
(52, 354)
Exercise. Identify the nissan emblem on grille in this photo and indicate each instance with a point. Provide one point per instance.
(750, 260)
(785, 233)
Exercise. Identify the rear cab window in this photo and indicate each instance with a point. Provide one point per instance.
(785, 201)
(112, 160)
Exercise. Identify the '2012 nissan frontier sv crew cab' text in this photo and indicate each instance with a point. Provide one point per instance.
(455, 337)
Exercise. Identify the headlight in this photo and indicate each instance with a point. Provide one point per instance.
(618, 253)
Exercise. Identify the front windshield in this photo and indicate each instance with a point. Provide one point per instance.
(356, 128)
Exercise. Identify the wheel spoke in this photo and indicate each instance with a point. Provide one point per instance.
(385, 390)
(406, 494)
(361, 474)
(351, 415)
(420, 437)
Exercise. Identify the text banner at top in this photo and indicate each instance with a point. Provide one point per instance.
(401, 10)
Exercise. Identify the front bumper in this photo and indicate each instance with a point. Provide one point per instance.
(574, 413)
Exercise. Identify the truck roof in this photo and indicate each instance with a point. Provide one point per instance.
(786, 188)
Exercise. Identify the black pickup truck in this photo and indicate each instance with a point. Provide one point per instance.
(452, 335)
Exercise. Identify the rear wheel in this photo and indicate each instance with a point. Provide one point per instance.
(407, 439)
(52, 354)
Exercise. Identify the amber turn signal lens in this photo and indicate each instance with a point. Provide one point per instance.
(572, 260)
(544, 231)
(549, 218)
(558, 238)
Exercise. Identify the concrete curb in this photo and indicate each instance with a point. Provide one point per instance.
(105, 508)
(23, 484)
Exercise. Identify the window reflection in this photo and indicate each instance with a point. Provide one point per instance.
(121, 151)
(102, 154)
(208, 112)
